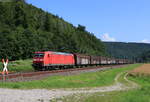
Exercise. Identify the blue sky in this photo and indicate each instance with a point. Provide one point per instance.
(109, 20)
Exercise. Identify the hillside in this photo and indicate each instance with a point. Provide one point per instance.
(25, 29)
(126, 50)
(144, 57)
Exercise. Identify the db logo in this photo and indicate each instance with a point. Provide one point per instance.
(5, 63)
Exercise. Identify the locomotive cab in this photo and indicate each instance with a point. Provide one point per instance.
(38, 60)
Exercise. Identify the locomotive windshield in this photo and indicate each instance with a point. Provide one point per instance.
(39, 55)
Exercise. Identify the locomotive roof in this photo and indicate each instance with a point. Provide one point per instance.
(60, 53)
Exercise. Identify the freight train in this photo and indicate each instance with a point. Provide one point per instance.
(49, 60)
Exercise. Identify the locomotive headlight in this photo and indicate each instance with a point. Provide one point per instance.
(34, 59)
(41, 59)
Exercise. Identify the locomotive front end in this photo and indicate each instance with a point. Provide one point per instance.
(38, 60)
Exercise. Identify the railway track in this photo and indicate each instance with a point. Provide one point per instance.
(22, 76)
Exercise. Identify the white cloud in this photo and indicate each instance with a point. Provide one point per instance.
(106, 37)
(145, 41)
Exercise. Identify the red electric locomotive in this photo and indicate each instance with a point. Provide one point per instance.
(48, 60)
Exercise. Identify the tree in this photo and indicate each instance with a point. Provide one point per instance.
(24, 1)
(20, 16)
(47, 23)
(81, 28)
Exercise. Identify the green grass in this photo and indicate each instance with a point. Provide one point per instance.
(19, 66)
(92, 79)
(135, 95)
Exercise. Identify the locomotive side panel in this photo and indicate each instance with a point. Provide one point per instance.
(57, 58)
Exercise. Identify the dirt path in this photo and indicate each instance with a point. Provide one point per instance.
(43, 95)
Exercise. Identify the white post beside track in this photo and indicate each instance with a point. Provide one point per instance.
(5, 70)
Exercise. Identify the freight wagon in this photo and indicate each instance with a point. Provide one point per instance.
(82, 60)
(48, 60)
(95, 60)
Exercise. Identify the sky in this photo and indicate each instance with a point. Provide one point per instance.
(109, 20)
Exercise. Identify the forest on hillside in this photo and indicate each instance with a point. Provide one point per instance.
(144, 57)
(133, 51)
(25, 29)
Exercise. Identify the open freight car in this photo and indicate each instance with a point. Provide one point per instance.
(82, 60)
(95, 60)
(104, 61)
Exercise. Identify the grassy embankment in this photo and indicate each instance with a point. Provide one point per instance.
(91, 79)
(19, 66)
(136, 95)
